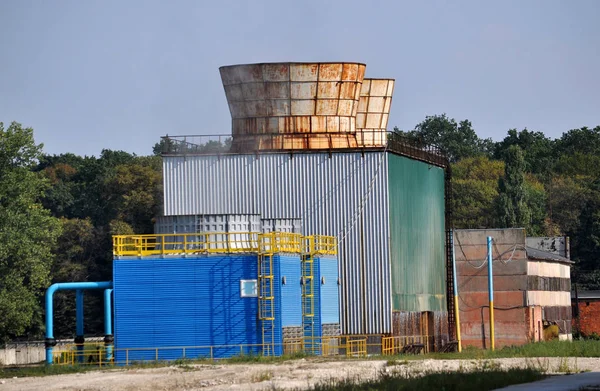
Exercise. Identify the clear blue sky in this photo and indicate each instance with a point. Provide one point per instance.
(88, 75)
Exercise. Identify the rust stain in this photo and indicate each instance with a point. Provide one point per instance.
(331, 72)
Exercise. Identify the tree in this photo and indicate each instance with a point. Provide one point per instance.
(475, 189)
(535, 198)
(584, 140)
(458, 140)
(587, 240)
(512, 210)
(567, 196)
(135, 193)
(538, 149)
(28, 233)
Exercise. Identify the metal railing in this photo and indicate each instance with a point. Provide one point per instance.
(195, 243)
(321, 245)
(221, 242)
(400, 143)
(280, 242)
(355, 346)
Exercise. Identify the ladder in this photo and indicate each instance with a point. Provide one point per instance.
(266, 299)
(308, 298)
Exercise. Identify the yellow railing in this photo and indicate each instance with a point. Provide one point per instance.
(222, 242)
(197, 243)
(280, 242)
(330, 346)
(322, 245)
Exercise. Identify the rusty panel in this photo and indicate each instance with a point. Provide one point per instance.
(501, 283)
(373, 109)
(258, 92)
(511, 327)
(514, 268)
(304, 72)
(501, 299)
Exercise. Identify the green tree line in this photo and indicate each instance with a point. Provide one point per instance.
(59, 212)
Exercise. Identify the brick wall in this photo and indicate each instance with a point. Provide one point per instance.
(589, 316)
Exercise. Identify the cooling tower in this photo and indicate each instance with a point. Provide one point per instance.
(373, 111)
(294, 105)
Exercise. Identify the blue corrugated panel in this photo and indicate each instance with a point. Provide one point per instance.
(329, 295)
(163, 303)
(291, 292)
(284, 264)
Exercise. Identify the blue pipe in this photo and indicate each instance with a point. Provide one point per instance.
(50, 341)
(79, 333)
(108, 337)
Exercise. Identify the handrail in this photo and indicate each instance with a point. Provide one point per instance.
(221, 243)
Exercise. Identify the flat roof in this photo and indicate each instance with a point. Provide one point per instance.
(586, 295)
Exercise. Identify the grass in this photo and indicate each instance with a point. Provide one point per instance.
(555, 348)
(564, 349)
(257, 358)
(45, 370)
(448, 381)
(185, 364)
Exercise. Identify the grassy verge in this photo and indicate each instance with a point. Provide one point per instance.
(577, 348)
(45, 370)
(447, 381)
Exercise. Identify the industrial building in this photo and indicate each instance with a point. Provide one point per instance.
(586, 313)
(308, 227)
(531, 283)
(309, 150)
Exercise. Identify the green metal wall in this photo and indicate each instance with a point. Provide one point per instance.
(417, 235)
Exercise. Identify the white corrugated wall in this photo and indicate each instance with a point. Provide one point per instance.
(324, 191)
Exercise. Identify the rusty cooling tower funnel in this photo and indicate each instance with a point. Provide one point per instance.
(293, 105)
(373, 111)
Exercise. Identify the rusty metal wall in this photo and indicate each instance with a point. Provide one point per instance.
(373, 111)
(291, 99)
(510, 286)
(558, 245)
(341, 194)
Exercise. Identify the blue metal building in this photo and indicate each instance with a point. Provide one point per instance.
(170, 306)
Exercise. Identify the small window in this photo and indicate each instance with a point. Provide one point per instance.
(248, 288)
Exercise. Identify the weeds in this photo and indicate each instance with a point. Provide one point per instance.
(262, 376)
(455, 381)
(394, 362)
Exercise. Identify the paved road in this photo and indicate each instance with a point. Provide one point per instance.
(560, 383)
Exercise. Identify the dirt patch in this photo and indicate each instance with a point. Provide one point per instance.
(297, 374)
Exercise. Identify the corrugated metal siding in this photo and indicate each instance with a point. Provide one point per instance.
(291, 292)
(417, 235)
(330, 307)
(324, 191)
(183, 302)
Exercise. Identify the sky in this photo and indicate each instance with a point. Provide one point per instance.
(112, 74)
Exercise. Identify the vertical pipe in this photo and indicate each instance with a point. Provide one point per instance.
(456, 311)
(108, 334)
(79, 332)
(49, 342)
(491, 291)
